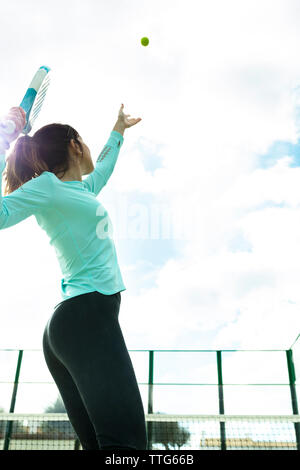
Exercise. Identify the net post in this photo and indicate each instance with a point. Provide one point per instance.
(292, 380)
(77, 444)
(221, 399)
(9, 425)
(150, 399)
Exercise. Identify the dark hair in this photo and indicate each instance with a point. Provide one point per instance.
(47, 150)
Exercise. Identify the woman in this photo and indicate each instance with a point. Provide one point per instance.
(83, 344)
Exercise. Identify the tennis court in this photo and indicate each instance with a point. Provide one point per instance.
(227, 427)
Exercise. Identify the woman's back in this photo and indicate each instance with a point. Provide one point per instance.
(77, 224)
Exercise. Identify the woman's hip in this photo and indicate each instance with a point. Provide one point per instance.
(83, 319)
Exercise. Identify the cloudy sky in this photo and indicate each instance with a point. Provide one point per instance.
(205, 196)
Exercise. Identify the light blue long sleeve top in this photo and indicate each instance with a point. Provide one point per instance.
(77, 224)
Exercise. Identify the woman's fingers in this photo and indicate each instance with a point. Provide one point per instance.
(18, 115)
(129, 122)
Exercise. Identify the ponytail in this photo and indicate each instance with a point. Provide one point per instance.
(47, 150)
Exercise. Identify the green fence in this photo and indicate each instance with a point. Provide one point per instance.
(292, 356)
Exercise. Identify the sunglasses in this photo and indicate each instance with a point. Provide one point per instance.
(70, 134)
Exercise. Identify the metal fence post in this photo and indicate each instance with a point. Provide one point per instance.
(221, 399)
(292, 380)
(9, 425)
(150, 399)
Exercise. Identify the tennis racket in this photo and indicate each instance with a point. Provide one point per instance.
(31, 103)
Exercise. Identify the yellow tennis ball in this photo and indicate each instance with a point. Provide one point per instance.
(145, 41)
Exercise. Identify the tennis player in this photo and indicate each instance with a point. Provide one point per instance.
(83, 344)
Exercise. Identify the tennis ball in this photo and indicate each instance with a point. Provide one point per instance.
(145, 41)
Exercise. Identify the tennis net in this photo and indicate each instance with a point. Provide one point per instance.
(53, 431)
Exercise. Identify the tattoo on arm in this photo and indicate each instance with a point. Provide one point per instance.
(103, 154)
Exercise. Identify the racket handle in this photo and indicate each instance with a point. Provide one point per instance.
(8, 127)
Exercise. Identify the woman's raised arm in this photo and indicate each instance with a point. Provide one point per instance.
(108, 157)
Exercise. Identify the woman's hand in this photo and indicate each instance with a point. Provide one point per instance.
(123, 119)
(18, 116)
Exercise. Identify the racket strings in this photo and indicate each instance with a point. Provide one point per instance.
(39, 99)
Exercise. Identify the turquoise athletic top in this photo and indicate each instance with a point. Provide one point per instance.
(77, 224)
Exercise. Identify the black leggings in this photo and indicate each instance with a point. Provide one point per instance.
(86, 354)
